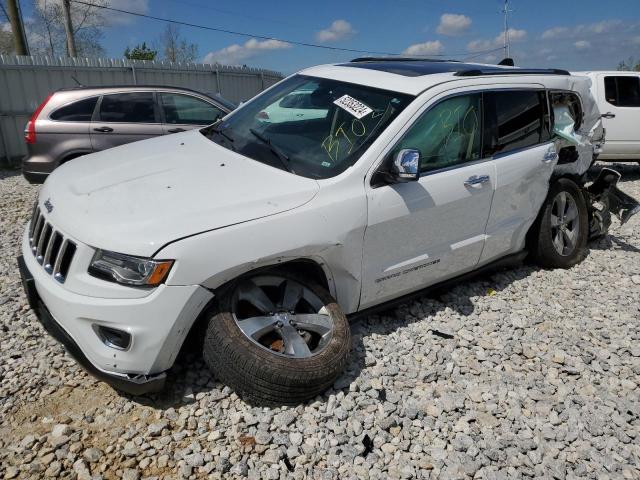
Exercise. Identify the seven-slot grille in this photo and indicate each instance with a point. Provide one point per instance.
(51, 249)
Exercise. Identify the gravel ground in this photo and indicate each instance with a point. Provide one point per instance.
(525, 373)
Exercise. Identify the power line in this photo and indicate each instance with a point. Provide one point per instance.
(250, 35)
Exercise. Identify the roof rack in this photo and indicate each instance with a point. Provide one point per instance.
(477, 72)
(400, 59)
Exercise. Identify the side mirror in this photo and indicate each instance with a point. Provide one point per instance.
(406, 165)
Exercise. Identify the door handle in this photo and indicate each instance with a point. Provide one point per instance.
(175, 130)
(608, 115)
(476, 180)
(103, 129)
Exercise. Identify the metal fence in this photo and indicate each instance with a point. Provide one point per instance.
(26, 81)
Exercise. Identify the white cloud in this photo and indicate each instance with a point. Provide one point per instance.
(605, 26)
(515, 35)
(434, 47)
(452, 24)
(554, 32)
(338, 30)
(582, 45)
(234, 54)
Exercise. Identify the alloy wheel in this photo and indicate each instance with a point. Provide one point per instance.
(282, 316)
(565, 223)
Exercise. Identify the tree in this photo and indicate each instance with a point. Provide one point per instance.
(629, 65)
(48, 34)
(175, 48)
(6, 37)
(140, 52)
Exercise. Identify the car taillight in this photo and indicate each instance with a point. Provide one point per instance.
(30, 130)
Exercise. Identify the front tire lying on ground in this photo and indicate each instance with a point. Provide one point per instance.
(560, 232)
(277, 339)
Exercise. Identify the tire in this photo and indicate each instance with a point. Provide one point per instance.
(551, 245)
(275, 372)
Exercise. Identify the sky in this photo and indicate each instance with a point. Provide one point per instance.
(570, 34)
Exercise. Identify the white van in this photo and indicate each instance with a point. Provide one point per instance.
(618, 97)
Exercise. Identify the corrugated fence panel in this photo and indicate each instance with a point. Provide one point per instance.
(26, 81)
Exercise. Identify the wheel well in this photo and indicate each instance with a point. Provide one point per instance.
(72, 156)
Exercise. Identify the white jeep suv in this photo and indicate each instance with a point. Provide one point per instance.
(268, 234)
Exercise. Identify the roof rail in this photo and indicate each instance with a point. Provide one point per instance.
(400, 59)
(477, 72)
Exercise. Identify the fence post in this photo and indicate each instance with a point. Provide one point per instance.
(218, 80)
(262, 80)
(5, 147)
(133, 71)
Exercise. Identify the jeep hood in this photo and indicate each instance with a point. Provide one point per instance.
(138, 197)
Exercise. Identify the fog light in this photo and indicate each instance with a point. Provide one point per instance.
(112, 337)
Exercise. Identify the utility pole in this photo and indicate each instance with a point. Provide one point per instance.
(507, 47)
(19, 38)
(68, 27)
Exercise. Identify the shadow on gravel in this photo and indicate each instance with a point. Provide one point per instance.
(612, 242)
(4, 173)
(630, 171)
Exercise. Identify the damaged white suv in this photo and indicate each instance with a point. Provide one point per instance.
(268, 232)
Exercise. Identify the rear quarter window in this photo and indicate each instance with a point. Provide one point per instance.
(80, 111)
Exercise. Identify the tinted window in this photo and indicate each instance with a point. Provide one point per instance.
(447, 134)
(519, 120)
(76, 112)
(623, 91)
(184, 109)
(297, 100)
(136, 107)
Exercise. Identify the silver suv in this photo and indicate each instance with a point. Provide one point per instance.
(76, 121)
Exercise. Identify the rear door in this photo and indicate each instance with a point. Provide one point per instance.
(182, 112)
(524, 156)
(619, 101)
(124, 118)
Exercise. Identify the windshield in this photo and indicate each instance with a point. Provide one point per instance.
(309, 126)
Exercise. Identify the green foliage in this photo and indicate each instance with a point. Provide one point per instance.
(629, 65)
(140, 52)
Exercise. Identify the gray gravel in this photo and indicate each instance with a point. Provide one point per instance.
(525, 373)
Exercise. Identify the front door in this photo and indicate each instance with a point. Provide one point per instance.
(423, 232)
(124, 118)
(619, 102)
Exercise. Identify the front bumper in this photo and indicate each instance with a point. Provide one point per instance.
(135, 385)
(157, 320)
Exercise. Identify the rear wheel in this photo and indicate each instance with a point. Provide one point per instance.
(562, 227)
(277, 339)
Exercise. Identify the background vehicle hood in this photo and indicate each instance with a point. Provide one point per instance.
(138, 197)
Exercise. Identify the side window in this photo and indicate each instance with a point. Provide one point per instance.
(135, 107)
(185, 109)
(80, 111)
(447, 134)
(622, 91)
(520, 120)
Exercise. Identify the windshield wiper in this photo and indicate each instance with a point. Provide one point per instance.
(215, 128)
(284, 159)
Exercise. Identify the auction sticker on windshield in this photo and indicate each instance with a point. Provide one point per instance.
(353, 106)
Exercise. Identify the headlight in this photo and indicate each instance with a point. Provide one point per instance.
(129, 270)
